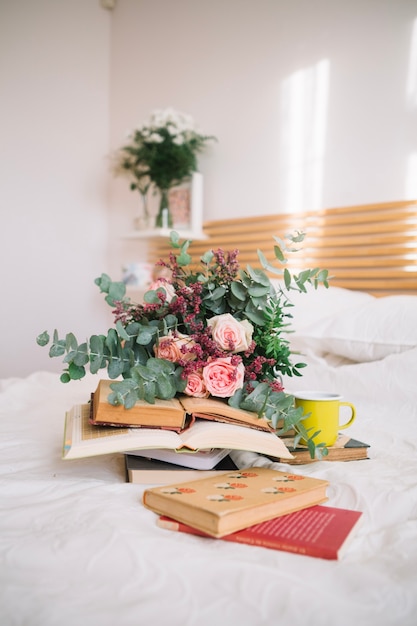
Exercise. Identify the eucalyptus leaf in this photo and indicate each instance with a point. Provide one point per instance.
(115, 368)
(238, 290)
(121, 330)
(207, 257)
(81, 356)
(117, 291)
(70, 342)
(76, 372)
(43, 339)
(258, 291)
(57, 349)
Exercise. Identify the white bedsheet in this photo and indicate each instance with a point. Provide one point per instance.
(78, 547)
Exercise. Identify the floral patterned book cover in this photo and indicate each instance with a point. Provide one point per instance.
(220, 505)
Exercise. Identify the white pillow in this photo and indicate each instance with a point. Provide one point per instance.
(319, 303)
(368, 332)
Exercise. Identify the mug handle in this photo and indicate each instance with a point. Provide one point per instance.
(352, 416)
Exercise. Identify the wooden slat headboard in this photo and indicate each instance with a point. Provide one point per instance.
(369, 248)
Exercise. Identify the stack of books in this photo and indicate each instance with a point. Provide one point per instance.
(182, 447)
(183, 426)
(186, 436)
(162, 466)
(257, 506)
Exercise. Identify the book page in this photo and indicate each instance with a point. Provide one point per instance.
(208, 434)
(85, 439)
(215, 408)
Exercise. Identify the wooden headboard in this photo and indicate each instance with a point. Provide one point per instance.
(369, 248)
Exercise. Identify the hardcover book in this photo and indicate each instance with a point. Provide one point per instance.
(145, 471)
(169, 413)
(83, 439)
(320, 531)
(162, 414)
(345, 449)
(220, 505)
(199, 460)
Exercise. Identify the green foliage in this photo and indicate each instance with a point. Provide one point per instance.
(162, 151)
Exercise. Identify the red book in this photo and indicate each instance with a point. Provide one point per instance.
(319, 531)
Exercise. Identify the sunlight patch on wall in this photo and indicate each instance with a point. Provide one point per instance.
(304, 116)
(412, 70)
(411, 177)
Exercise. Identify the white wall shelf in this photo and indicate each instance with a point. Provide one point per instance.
(157, 233)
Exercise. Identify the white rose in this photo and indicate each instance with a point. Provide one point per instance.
(230, 334)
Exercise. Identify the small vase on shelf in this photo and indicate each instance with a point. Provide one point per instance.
(164, 217)
(143, 221)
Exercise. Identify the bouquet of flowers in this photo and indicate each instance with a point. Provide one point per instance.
(211, 328)
(163, 152)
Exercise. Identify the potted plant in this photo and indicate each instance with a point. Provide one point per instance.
(163, 151)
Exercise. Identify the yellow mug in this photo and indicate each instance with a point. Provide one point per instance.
(322, 410)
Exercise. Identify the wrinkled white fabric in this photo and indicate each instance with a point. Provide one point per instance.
(78, 547)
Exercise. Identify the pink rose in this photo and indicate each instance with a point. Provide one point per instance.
(166, 286)
(196, 386)
(222, 378)
(230, 334)
(170, 346)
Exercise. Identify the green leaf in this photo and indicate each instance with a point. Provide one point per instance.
(174, 239)
(258, 291)
(70, 342)
(122, 332)
(258, 276)
(57, 348)
(81, 355)
(207, 257)
(238, 290)
(264, 261)
(297, 237)
(145, 335)
(165, 389)
(287, 279)
(115, 368)
(117, 291)
(42, 339)
(151, 296)
(76, 372)
(103, 282)
(217, 294)
(279, 254)
(254, 314)
(112, 340)
(97, 359)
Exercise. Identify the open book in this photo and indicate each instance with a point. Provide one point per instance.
(83, 439)
(169, 413)
(162, 414)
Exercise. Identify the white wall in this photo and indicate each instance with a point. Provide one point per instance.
(313, 102)
(54, 68)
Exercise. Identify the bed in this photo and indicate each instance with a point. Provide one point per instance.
(78, 547)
